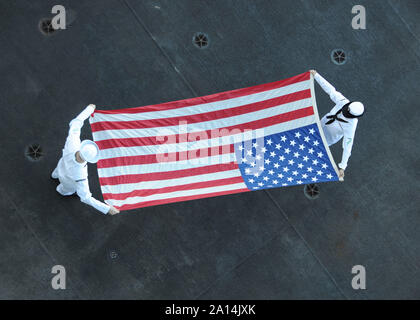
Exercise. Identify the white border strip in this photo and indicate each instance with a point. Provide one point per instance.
(318, 122)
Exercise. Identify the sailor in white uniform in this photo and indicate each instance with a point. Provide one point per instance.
(341, 121)
(72, 166)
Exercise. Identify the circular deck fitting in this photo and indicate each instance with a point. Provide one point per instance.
(311, 191)
(45, 26)
(201, 40)
(34, 152)
(338, 56)
(113, 255)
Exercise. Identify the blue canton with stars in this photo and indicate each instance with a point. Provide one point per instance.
(288, 158)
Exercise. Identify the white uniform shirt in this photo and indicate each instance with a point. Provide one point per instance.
(335, 131)
(73, 175)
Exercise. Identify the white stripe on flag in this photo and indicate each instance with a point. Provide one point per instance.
(193, 145)
(205, 107)
(166, 166)
(157, 184)
(134, 200)
(205, 125)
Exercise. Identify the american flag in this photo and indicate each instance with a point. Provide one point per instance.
(249, 139)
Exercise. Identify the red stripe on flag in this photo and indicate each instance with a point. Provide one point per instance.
(253, 125)
(172, 156)
(190, 186)
(164, 175)
(201, 117)
(213, 97)
(185, 198)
